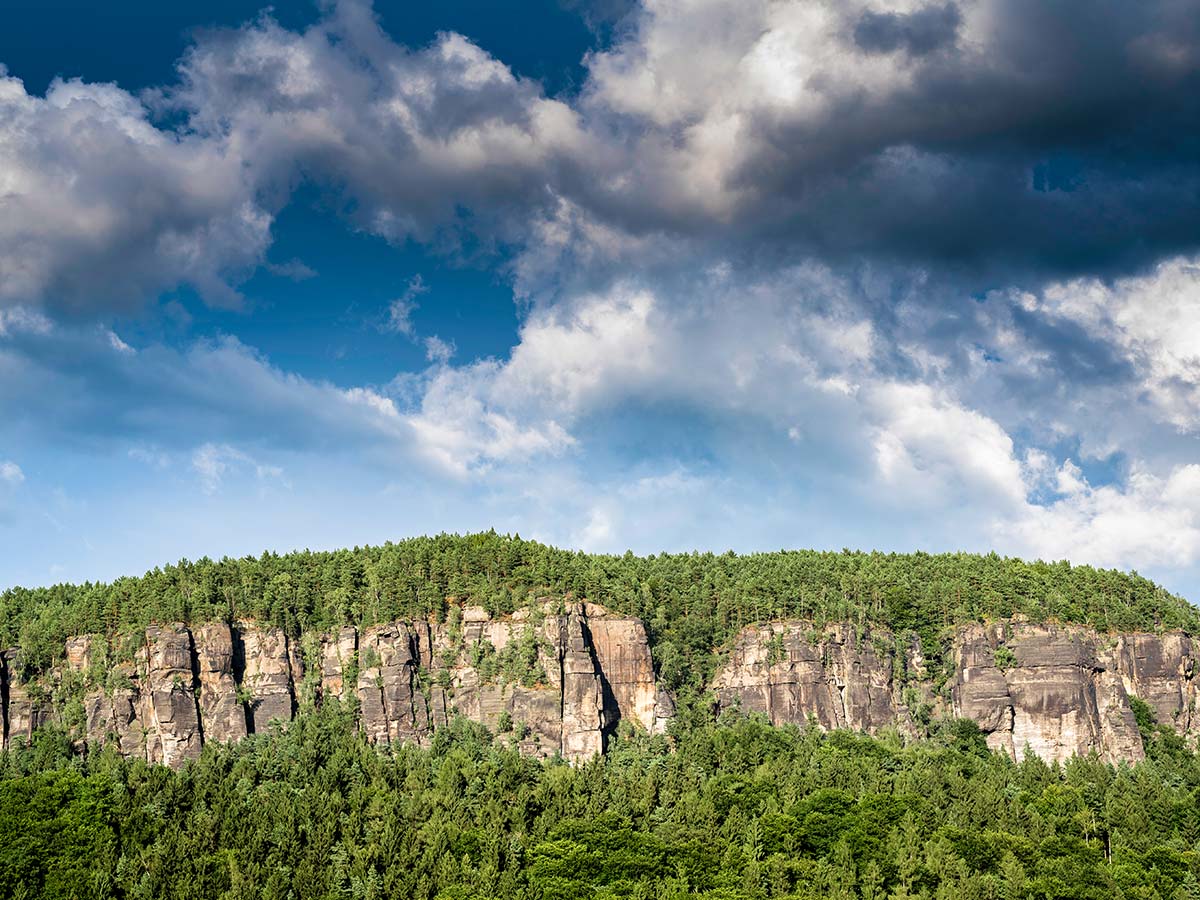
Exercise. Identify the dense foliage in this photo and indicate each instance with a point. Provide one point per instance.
(691, 603)
(737, 809)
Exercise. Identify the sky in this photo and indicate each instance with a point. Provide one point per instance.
(670, 275)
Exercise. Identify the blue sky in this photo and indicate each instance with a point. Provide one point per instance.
(674, 275)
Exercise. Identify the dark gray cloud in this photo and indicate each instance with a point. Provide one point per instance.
(987, 140)
(1021, 140)
(917, 33)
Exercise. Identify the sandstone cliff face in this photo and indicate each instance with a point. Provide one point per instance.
(792, 673)
(24, 710)
(223, 714)
(559, 677)
(1057, 690)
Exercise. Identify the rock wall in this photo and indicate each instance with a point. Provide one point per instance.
(1057, 690)
(557, 679)
(560, 677)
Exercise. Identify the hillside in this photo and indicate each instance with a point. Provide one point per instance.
(396, 721)
(690, 603)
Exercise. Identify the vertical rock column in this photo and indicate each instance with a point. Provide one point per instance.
(623, 654)
(272, 668)
(583, 713)
(980, 689)
(392, 708)
(336, 654)
(1162, 670)
(25, 708)
(173, 720)
(221, 712)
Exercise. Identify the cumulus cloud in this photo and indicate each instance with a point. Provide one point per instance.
(100, 206)
(10, 472)
(1149, 521)
(1153, 321)
(988, 138)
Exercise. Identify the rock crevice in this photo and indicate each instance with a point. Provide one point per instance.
(559, 677)
(556, 679)
(1057, 691)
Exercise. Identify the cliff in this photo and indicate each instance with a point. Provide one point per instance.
(558, 678)
(1058, 690)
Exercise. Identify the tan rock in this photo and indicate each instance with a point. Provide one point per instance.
(222, 713)
(623, 655)
(171, 717)
(391, 705)
(336, 654)
(272, 669)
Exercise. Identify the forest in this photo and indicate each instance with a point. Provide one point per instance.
(732, 809)
(722, 806)
(691, 603)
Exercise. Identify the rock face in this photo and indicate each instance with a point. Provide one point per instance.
(223, 714)
(1054, 690)
(792, 673)
(173, 720)
(24, 708)
(557, 679)
(1057, 690)
(271, 669)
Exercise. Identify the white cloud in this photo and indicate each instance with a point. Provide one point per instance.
(437, 351)
(11, 472)
(100, 206)
(1149, 521)
(400, 310)
(215, 462)
(22, 319)
(928, 444)
(119, 345)
(1153, 321)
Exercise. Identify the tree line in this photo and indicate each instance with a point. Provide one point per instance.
(735, 809)
(691, 602)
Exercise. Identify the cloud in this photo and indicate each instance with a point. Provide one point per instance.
(119, 345)
(1153, 321)
(1150, 521)
(929, 445)
(214, 462)
(899, 273)
(977, 138)
(400, 310)
(293, 270)
(922, 31)
(11, 472)
(99, 206)
(438, 351)
(221, 392)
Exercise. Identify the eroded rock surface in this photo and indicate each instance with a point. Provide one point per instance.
(173, 722)
(272, 669)
(1057, 691)
(222, 711)
(792, 673)
(556, 678)
(559, 677)
(1054, 690)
